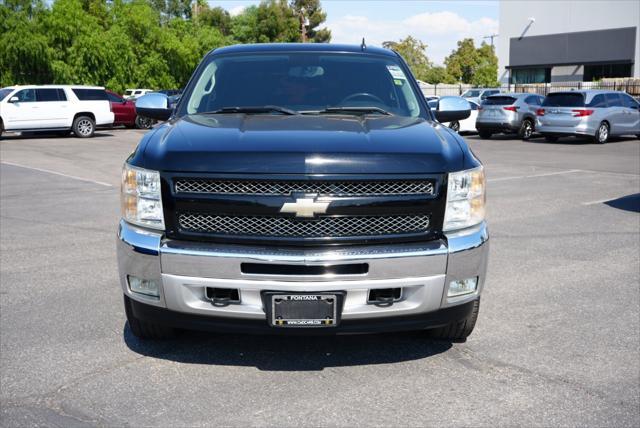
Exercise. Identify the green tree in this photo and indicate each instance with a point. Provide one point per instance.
(438, 74)
(487, 72)
(478, 66)
(270, 21)
(216, 17)
(414, 53)
(310, 16)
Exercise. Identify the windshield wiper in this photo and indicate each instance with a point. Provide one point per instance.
(253, 110)
(352, 110)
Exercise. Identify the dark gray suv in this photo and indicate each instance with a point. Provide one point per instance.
(508, 114)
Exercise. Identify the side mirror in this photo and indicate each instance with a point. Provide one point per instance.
(452, 108)
(154, 106)
(14, 100)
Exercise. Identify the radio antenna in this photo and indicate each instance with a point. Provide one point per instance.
(363, 46)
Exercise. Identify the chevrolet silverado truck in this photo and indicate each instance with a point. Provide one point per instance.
(302, 188)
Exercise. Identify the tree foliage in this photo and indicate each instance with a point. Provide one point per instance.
(310, 16)
(468, 64)
(134, 43)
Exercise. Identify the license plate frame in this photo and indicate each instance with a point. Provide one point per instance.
(284, 309)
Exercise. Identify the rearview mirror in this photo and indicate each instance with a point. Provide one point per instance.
(452, 108)
(13, 100)
(154, 106)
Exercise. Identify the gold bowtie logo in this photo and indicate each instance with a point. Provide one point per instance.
(305, 207)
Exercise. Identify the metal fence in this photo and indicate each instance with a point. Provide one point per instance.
(631, 86)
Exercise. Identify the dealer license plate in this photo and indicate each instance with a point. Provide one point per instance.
(304, 310)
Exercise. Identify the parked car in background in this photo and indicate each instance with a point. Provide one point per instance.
(508, 114)
(135, 93)
(169, 92)
(468, 124)
(596, 114)
(125, 114)
(478, 95)
(55, 108)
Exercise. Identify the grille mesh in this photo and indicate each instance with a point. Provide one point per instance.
(324, 227)
(284, 188)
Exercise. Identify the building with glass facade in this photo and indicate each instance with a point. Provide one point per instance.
(568, 41)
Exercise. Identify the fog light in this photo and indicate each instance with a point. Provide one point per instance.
(148, 287)
(464, 286)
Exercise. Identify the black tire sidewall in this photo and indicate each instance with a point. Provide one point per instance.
(522, 132)
(597, 136)
(77, 120)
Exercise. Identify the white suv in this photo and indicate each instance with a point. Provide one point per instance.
(58, 108)
(136, 93)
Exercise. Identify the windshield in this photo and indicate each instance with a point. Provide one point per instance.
(561, 99)
(4, 92)
(303, 82)
(471, 93)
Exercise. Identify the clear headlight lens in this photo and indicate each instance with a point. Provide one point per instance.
(141, 197)
(465, 199)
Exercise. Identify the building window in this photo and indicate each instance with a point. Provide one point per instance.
(531, 75)
(600, 71)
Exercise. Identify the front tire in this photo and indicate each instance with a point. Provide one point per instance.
(146, 330)
(143, 122)
(84, 127)
(485, 134)
(455, 126)
(526, 129)
(602, 134)
(457, 330)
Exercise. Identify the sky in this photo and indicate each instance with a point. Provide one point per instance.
(439, 24)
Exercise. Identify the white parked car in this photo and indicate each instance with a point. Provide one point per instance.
(468, 124)
(59, 108)
(136, 93)
(465, 125)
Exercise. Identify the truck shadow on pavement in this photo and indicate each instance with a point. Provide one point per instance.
(626, 203)
(288, 353)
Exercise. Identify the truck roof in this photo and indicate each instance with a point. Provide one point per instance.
(301, 47)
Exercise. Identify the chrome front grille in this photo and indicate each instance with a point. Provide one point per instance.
(287, 227)
(324, 188)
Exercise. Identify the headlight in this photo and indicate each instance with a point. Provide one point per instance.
(465, 199)
(141, 197)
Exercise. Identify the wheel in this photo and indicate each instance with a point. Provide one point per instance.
(457, 330)
(143, 122)
(485, 134)
(602, 134)
(550, 138)
(455, 125)
(526, 129)
(146, 330)
(84, 127)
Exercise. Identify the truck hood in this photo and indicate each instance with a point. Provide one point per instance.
(301, 144)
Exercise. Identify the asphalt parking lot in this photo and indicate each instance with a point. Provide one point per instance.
(557, 341)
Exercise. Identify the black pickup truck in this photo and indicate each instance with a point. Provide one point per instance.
(302, 188)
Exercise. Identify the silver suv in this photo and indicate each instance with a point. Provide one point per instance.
(509, 114)
(593, 113)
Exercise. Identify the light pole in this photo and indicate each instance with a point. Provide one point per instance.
(491, 36)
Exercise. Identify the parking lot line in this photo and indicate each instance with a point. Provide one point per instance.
(48, 171)
(547, 174)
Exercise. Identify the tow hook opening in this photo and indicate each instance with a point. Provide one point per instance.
(384, 296)
(222, 296)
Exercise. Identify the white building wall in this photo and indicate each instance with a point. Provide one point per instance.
(563, 16)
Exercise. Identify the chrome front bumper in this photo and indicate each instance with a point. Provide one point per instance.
(185, 269)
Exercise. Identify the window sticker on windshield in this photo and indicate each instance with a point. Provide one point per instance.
(396, 72)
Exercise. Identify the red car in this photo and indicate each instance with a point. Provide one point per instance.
(124, 112)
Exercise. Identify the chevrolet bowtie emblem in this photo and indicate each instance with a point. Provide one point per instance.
(305, 207)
